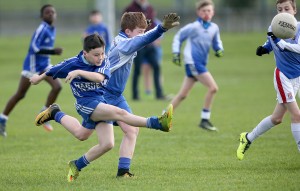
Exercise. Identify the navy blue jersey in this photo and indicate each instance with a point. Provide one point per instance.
(102, 30)
(81, 88)
(121, 56)
(43, 38)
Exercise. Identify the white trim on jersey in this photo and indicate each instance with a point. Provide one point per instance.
(84, 109)
(37, 34)
(32, 63)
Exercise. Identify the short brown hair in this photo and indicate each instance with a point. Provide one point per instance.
(293, 3)
(93, 41)
(131, 20)
(203, 3)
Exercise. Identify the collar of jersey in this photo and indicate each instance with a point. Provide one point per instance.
(84, 60)
(122, 34)
(205, 24)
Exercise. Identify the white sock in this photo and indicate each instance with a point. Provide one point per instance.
(260, 129)
(205, 114)
(296, 133)
(4, 116)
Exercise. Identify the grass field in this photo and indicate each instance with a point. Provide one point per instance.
(187, 158)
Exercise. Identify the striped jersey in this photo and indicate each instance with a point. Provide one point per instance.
(81, 87)
(121, 55)
(199, 36)
(42, 38)
(286, 53)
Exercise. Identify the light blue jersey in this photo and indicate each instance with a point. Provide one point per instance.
(287, 54)
(121, 56)
(200, 36)
(43, 38)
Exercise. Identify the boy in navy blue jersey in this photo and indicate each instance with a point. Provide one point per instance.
(37, 61)
(286, 82)
(200, 35)
(124, 48)
(97, 26)
(88, 74)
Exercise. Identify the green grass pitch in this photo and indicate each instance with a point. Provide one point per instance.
(187, 158)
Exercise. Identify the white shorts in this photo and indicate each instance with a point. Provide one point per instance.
(286, 88)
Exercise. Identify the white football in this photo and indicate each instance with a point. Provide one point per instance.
(284, 25)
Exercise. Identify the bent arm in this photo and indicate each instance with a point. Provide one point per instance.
(91, 76)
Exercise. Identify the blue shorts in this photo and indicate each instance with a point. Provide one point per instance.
(85, 108)
(192, 70)
(118, 101)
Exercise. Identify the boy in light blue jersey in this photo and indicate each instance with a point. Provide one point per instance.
(97, 26)
(200, 36)
(88, 74)
(286, 82)
(37, 61)
(124, 48)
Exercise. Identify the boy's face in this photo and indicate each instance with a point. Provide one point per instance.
(206, 13)
(96, 18)
(286, 7)
(134, 32)
(95, 56)
(49, 14)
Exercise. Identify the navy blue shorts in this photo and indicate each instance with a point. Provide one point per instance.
(118, 101)
(85, 108)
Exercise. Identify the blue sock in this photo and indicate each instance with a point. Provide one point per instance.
(81, 162)
(58, 116)
(124, 163)
(153, 123)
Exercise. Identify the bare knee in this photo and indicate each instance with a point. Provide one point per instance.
(108, 146)
(132, 133)
(57, 88)
(19, 95)
(213, 89)
(121, 112)
(81, 137)
(276, 121)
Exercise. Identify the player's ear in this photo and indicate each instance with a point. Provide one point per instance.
(128, 32)
(84, 53)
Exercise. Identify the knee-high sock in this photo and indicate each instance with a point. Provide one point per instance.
(260, 129)
(296, 133)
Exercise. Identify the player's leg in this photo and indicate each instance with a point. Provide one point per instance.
(208, 81)
(52, 96)
(126, 149)
(266, 124)
(154, 62)
(68, 122)
(106, 142)
(138, 60)
(146, 70)
(109, 112)
(24, 85)
(295, 121)
(184, 91)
